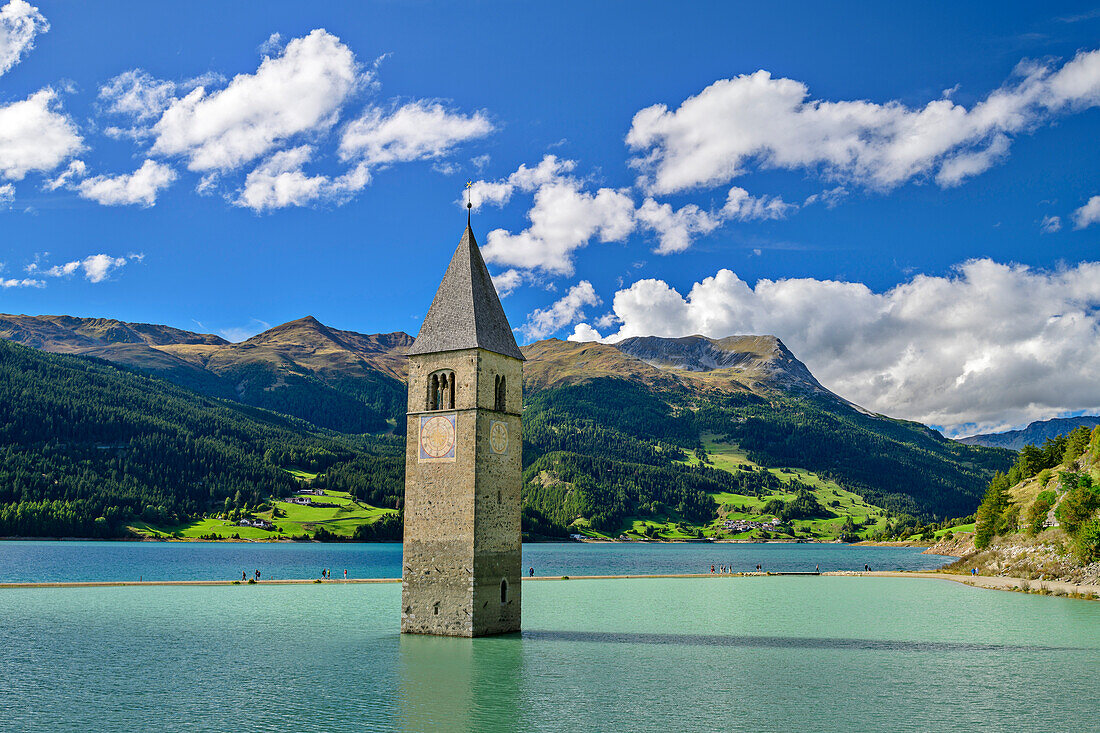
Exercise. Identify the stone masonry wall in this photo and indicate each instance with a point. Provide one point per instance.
(462, 531)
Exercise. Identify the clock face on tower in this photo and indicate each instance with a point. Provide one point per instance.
(498, 437)
(437, 438)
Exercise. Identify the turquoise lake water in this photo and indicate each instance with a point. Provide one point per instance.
(708, 654)
(28, 562)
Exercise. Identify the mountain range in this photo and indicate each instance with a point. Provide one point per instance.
(1035, 433)
(611, 431)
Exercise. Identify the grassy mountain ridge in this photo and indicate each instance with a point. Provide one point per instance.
(335, 379)
(624, 422)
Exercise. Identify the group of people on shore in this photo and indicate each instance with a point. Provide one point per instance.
(326, 574)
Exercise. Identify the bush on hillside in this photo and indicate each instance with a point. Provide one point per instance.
(1078, 504)
(1037, 512)
(1087, 544)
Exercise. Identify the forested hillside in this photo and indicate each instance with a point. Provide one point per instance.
(86, 446)
(1056, 485)
(608, 449)
(612, 433)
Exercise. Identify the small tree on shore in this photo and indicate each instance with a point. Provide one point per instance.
(989, 514)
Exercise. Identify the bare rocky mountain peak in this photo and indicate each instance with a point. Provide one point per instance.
(762, 358)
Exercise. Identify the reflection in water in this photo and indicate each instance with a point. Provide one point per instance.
(460, 684)
(777, 642)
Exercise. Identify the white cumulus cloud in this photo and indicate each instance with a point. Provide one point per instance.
(675, 228)
(35, 135)
(567, 215)
(20, 22)
(740, 206)
(756, 120)
(507, 281)
(564, 218)
(989, 346)
(96, 268)
(137, 94)
(75, 170)
(26, 282)
(280, 182)
(545, 321)
(139, 187)
(415, 131)
(299, 92)
(1087, 214)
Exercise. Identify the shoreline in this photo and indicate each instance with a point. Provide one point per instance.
(1046, 587)
(589, 541)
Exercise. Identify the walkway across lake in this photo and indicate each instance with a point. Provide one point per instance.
(78, 561)
(997, 583)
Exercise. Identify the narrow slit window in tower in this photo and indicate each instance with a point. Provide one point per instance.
(501, 393)
(503, 590)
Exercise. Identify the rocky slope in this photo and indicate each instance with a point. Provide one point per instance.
(1032, 540)
(744, 360)
(1041, 558)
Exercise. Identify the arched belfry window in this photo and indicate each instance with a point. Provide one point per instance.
(441, 390)
(501, 394)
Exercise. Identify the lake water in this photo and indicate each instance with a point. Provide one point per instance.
(706, 654)
(25, 562)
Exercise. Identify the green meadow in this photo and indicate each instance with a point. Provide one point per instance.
(291, 520)
(730, 458)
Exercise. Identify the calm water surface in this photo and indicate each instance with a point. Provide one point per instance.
(23, 562)
(711, 654)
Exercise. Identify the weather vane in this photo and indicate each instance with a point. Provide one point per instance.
(469, 202)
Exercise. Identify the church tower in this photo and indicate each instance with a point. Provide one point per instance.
(463, 461)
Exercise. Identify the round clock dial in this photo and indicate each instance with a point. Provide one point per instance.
(498, 437)
(437, 437)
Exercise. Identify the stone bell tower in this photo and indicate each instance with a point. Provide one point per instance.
(463, 461)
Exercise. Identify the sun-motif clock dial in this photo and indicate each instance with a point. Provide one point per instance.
(498, 437)
(437, 437)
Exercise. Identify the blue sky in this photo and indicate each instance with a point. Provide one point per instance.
(903, 195)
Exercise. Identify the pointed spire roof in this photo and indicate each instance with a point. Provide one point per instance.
(466, 312)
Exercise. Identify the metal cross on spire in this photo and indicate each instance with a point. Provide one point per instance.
(469, 201)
